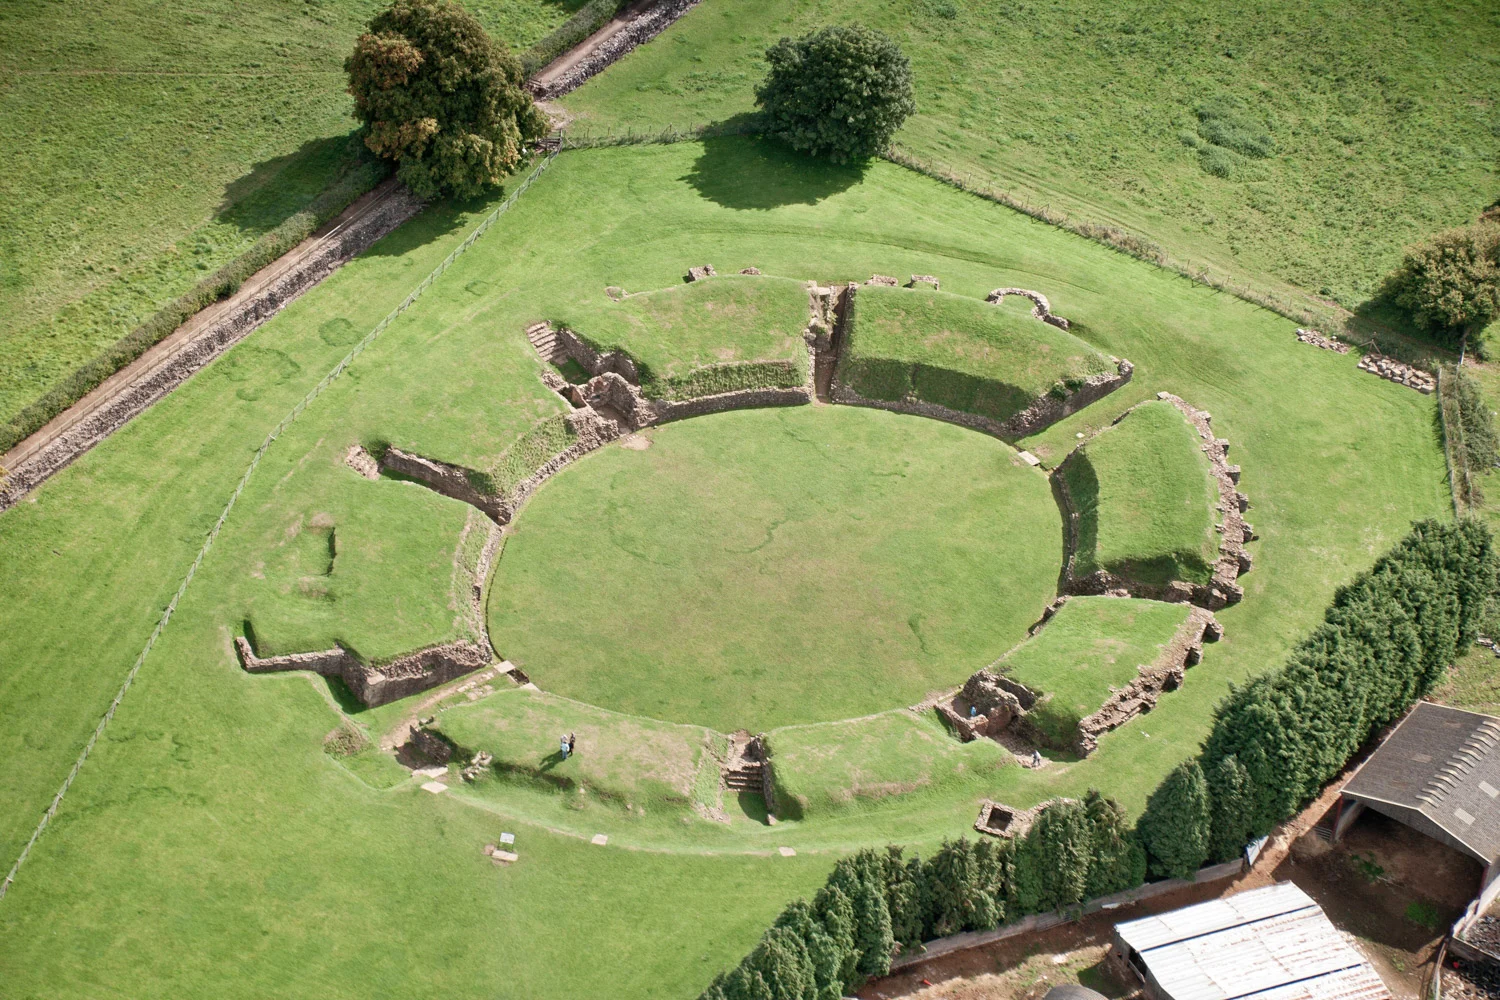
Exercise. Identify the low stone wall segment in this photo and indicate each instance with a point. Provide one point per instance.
(1040, 308)
(195, 354)
(375, 683)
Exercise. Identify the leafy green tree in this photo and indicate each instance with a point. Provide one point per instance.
(825, 959)
(836, 912)
(961, 899)
(1451, 283)
(1052, 861)
(839, 92)
(905, 897)
(1229, 797)
(1118, 860)
(440, 98)
(782, 962)
(1175, 825)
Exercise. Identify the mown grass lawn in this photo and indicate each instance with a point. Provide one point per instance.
(1346, 130)
(673, 333)
(1093, 646)
(759, 568)
(154, 143)
(960, 352)
(1145, 496)
(210, 845)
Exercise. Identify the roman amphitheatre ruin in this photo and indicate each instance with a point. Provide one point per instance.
(539, 591)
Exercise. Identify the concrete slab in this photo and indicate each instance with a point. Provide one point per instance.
(434, 787)
(1030, 459)
(786, 852)
(599, 840)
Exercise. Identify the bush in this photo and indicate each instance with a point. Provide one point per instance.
(1451, 283)
(1481, 445)
(840, 92)
(1216, 161)
(585, 21)
(440, 98)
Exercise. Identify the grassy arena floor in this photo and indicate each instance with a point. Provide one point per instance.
(154, 143)
(210, 845)
(1145, 495)
(959, 352)
(1379, 118)
(760, 568)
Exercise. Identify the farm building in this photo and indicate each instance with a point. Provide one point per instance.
(1268, 944)
(1438, 772)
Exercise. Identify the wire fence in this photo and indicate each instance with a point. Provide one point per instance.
(213, 534)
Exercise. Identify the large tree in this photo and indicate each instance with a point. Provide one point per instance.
(1177, 823)
(441, 98)
(1451, 283)
(840, 92)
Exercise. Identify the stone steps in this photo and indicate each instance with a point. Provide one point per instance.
(546, 342)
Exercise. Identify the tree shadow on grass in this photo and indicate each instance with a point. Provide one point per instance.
(759, 173)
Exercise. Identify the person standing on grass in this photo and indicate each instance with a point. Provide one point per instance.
(572, 744)
(563, 746)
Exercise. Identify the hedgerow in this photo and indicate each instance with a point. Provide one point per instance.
(585, 21)
(1384, 642)
(364, 173)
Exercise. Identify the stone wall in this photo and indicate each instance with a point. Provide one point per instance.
(450, 480)
(644, 27)
(1040, 308)
(1234, 532)
(331, 252)
(1165, 673)
(380, 682)
(1042, 413)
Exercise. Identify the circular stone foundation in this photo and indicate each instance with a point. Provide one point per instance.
(762, 568)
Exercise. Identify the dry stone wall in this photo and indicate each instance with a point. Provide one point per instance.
(449, 480)
(151, 385)
(376, 683)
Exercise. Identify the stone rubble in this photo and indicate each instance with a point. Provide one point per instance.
(699, 273)
(917, 279)
(1329, 343)
(885, 280)
(1399, 372)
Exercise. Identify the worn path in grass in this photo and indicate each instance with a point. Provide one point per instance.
(211, 845)
(1345, 130)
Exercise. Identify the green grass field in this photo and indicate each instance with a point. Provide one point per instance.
(759, 568)
(959, 352)
(1145, 496)
(690, 339)
(154, 143)
(211, 845)
(1294, 147)
(1093, 646)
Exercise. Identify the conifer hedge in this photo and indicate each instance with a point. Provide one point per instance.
(1384, 642)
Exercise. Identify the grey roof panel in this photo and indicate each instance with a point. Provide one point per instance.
(1444, 763)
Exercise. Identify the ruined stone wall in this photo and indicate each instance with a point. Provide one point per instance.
(334, 250)
(1235, 531)
(1042, 413)
(449, 480)
(741, 399)
(1041, 308)
(376, 683)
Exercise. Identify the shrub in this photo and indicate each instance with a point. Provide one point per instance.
(1175, 825)
(1450, 284)
(840, 92)
(440, 98)
(585, 21)
(1477, 421)
(1216, 161)
(1225, 124)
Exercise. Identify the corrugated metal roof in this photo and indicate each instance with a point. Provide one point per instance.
(1270, 944)
(1444, 763)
